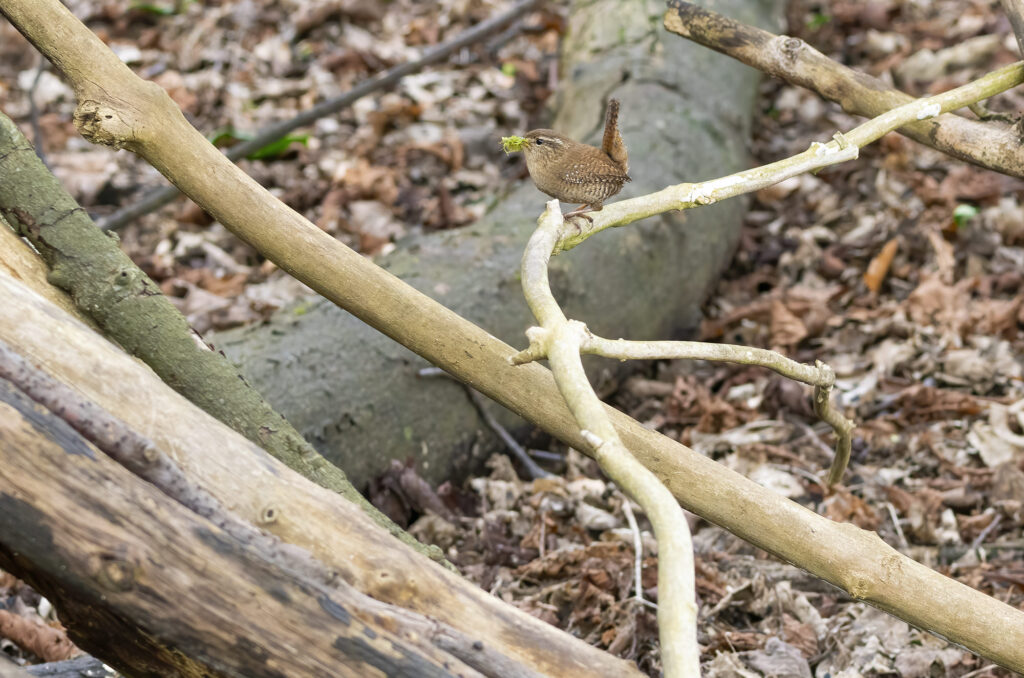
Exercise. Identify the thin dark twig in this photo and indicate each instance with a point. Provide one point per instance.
(1015, 12)
(33, 113)
(520, 453)
(984, 534)
(547, 455)
(531, 466)
(161, 196)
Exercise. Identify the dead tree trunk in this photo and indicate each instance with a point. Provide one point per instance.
(167, 574)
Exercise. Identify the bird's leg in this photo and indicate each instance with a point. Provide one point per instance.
(582, 210)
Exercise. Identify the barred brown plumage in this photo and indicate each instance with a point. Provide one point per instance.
(575, 172)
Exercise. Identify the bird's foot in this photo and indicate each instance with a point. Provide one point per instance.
(581, 211)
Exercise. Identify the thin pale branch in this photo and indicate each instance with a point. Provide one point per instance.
(820, 376)
(843, 147)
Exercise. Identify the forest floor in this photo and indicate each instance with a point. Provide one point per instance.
(903, 270)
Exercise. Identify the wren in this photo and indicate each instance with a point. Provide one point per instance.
(575, 172)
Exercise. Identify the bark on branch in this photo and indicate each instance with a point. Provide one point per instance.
(130, 309)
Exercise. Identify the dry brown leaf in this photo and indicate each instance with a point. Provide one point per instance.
(46, 642)
(945, 307)
(786, 329)
(810, 304)
(878, 268)
(944, 258)
(920, 403)
(845, 507)
(998, 316)
(363, 181)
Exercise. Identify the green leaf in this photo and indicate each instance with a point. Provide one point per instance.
(964, 213)
(508, 68)
(223, 134)
(271, 150)
(279, 147)
(159, 10)
(817, 20)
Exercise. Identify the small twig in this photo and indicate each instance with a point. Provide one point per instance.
(638, 549)
(33, 112)
(547, 455)
(803, 473)
(532, 469)
(904, 544)
(810, 434)
(726, 599)
(989, 529)
(543, 534)
(161, 196)
(842, 426)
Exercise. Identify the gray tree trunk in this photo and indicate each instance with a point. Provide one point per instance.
(685, 117)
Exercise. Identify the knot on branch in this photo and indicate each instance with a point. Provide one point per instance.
(537, 350)
(102, 124)
(791, 48)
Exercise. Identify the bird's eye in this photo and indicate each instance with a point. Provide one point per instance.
(540, 142)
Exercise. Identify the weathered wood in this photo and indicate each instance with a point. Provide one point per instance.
(81, 526)
(254, 486)
(128, 306)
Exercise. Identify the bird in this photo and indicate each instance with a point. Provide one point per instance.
(575, 172)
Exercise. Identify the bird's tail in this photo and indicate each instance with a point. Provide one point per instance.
(613, 144)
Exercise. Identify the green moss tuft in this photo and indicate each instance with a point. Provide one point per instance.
(512, 144)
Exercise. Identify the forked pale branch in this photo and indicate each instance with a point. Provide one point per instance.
(563, 341)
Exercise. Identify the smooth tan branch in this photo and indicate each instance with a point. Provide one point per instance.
(843, 147)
